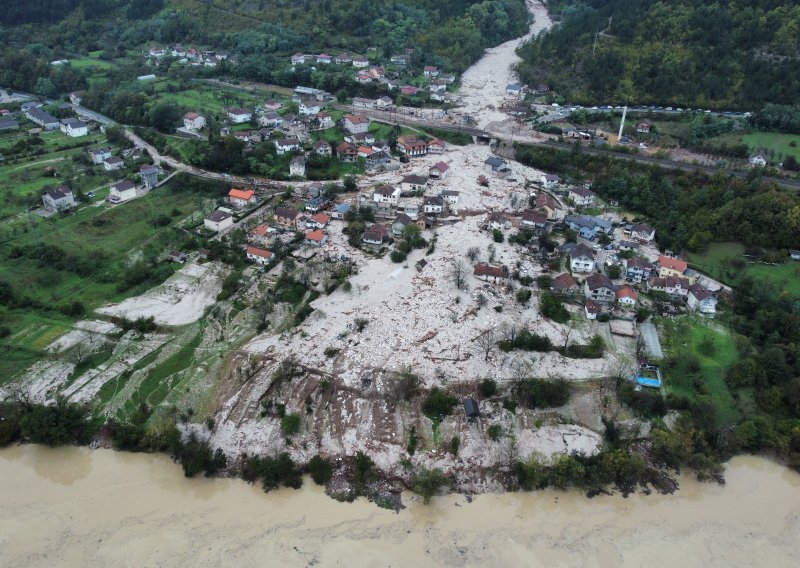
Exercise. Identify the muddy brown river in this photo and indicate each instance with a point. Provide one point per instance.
(78, 507)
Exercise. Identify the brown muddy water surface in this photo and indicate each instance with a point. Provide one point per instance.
(78, 507)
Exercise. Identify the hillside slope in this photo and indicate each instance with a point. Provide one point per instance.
(725, 53)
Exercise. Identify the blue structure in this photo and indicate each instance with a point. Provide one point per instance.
(648, 376)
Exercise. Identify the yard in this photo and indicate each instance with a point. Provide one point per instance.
(698, 355)
(720, 261)
(207, 99)
(108, 238)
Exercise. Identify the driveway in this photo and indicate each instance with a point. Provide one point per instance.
(651, 343)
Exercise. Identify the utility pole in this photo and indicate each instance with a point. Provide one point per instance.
(622, 123)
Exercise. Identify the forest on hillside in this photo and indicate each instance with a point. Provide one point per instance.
(451, 34)
(732, 54)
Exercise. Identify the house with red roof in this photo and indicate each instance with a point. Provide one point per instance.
(316, 238)
(627, 297)
(488, 273)
(242, 198)
(259, 256)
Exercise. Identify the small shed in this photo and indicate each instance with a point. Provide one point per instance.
(471, 409)
(421, 263)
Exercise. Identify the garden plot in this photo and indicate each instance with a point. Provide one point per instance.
(181, 300)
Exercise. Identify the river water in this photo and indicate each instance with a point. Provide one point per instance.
(81, 507)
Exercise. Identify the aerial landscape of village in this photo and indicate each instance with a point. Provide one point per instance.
(431, 247)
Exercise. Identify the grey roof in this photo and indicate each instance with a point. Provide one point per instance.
(8, 124)
(415, 179)
(494, 162)
(59, 193)
(218, 216)
(587, 221)
(124, 185)
(42, 116)
(149, 170)
(597, 281)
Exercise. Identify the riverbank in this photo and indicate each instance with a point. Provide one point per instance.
(77, 507)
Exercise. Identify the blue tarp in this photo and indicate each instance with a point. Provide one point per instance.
(648, 382)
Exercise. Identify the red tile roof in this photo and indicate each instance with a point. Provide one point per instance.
(259, 252)
(241, 194)
(673, 263)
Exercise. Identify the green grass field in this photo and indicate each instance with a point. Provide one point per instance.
(88, 63)
(210, 100)
(714, 348)
(716, 261)
(778, 143)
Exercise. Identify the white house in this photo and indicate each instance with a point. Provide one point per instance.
(438, 170)
(242, 198)
(701, 300)
(73, 127)
(386, 194)
(413, 183)
(550, 180)
(270, 119)
(257, 255)
(113, 163)
(193, 121)
(760, 159)
(581, 259)
(58, 199)
(284, 145)
(627, 297)
(355, 124)
(430, 71)
(581, 196)
(239, 115)
(308, 107)
(324, 119)
(122, 192)
(100, 154)
(218, 221)
(322, 148)
(297, 167)
(433, 205)
(436, 146)
(360, 61)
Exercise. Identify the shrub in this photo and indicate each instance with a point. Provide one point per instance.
(495, 432)
(541, 393)
(320, 469)
(290, 424)
(497, 236)
(553, 309)
(523, 295)
(487, 388)
(438, 404)
(397, 256)
(427, 483)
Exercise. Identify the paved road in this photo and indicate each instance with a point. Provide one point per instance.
(651, 342)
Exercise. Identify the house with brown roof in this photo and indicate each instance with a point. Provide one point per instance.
(672, 285)
(581, 196)
(218, 221)
(58, 199)
(322, 148)
(592, 309)
(121, 192)
(193, 121)
(375, 235)
(546, 204)
(600, 288)
(412, 146)
(346, 152)
(564, 284)
(413, 183)
(637, 269)
(386, 194)
(493, 274)
(533, 220)
(643, 233)
(436, 146)
(581, 259)
(286, 218)
(355, 123)
(701, 300)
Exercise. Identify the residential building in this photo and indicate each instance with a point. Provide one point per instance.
(361, 102)
(438, 170)
(494, 164)
(386, 194)
(284, 145)
(354, 123)
(514, 90)
(360, 61)
(565, 285)
(99, 154)
(546, 203)
(58, 199)
(433, 205)
(588, 227)
(701, 300)
(669, 266)
(627, 297)
(262, 235)
(340, 211)
(149, 176)
(42, 118)
(581, 196)
(643, 233)
(549, 181)
(309, 107)
(375, 235)
(298, 59)
(239, 115)
(400, 223)
(644, 127)
(113, 163)
(346, 152)
(259, 256)
(600, 288)
(316, 238)
(450, 196)
(637, 269)
(316, 204)
(297, 167)
(760, 159)
(534, 220)
(286, 218)
(242, 197)
(672, 285)
(412, 146)
(581, 259)
(493, 274)
(430, 71)
(193, 121)
(324, 120)
(436, 146)
(74, 128)
(318, 221)
(122, 192)
(322, 148)
(413, 183)
(592, 309)
(498, 221)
